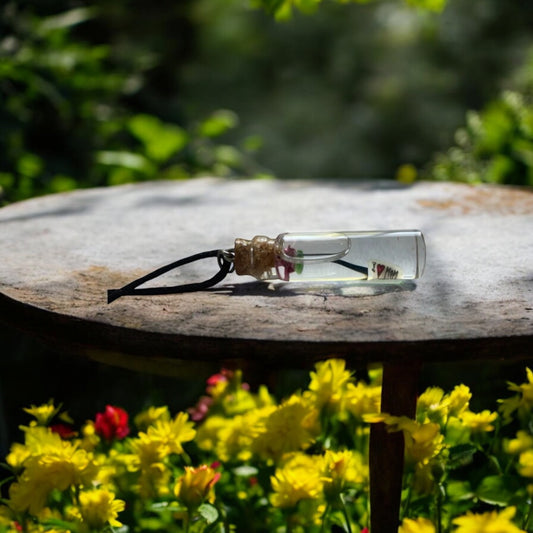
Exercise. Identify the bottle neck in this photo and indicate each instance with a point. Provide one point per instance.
(255, 257)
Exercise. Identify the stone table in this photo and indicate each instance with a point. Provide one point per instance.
(62, 252)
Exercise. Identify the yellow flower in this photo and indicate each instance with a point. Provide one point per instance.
(238, 402)
(298, 479)
(522, 443)
(89, 438)
(362, 399)
(43, 414)
(236, 437)
(423, 478)
(208, 432)
(423, 441)
(526, 388)
(478, 422)
(458, 400)
(115, 464)
(99, 508)
(263, 397)
(522, 402)
(53, 464)
(17, 455)
(342, 469)
(148, 450)
(416, 525)
(150, 416)
(173, 433)
(151, 449)
(490, 522)
(525, 464)
(432, 405)
(291, 426)
(196, 486)
(150, 457)
(328, 382)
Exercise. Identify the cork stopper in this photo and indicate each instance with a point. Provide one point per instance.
(255, 257)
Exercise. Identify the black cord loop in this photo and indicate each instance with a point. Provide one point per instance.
(131, 288)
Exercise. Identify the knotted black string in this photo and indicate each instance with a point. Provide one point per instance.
(225, 267)
(131, 288)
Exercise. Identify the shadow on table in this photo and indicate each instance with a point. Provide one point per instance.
(351, 289)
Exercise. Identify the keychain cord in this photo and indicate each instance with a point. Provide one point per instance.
(225, 263)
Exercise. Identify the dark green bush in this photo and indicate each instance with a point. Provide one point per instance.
(495, 146)
(69, 117)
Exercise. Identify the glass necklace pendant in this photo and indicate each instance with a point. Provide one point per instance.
(336, 256)
(341, 256)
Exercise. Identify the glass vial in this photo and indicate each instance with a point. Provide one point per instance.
(333, 256)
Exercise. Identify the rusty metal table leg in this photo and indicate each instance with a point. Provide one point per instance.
(398, 397)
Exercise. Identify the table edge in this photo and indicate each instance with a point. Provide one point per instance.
(87, 336)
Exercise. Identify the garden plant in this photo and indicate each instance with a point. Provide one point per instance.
(242, 460)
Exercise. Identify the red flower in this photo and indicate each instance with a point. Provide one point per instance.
(200, 410)
(64, 431)
(287, 266)
(112, 423)
(223, 377)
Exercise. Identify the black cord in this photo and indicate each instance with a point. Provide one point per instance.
(131, 288)
(225, 267)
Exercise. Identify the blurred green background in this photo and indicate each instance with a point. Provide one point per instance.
(100, 93)
(96, 93)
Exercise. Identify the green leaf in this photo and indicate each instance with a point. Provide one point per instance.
(124, 159)
(160, 507)
(459, 490)
(150, 524)
(6, 179)
(56, 523)
(499, 168)
(62, 183)
(460, 455)
(431, 5)
(497, 490)
(228, 155)
(161, 140)
(65, 20)
(30, 165)
(252, 143)
(208, 512)
(218, 123)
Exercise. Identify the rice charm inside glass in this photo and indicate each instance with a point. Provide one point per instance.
(340, 256)
(335, 256)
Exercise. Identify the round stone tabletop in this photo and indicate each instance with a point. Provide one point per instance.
(61, 253)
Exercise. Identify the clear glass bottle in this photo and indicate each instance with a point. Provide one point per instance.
(333, 256)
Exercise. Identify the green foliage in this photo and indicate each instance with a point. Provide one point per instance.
(67, 118)
(495, 145)
(282, 9)
(355, 90)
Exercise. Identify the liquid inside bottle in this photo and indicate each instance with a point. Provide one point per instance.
(350, 255)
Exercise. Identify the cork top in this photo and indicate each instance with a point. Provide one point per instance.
(255, 257)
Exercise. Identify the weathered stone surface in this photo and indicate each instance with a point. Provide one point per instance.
(61, 253)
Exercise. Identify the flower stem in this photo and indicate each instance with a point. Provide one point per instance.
(527, 518)
(440, 496)
(187, 522)
(324, 516)
(346, 515)
(407, 502)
